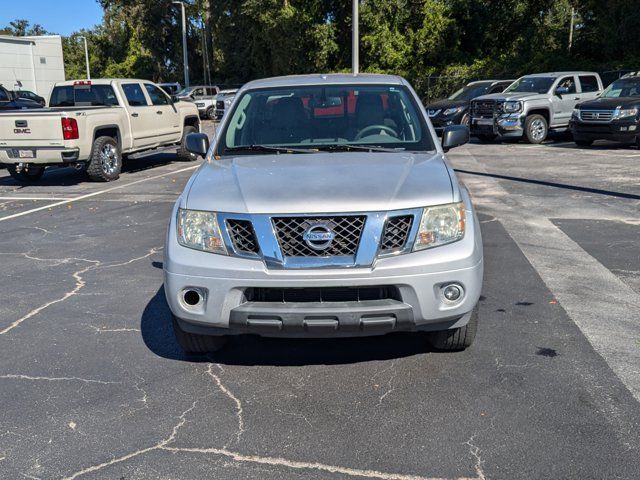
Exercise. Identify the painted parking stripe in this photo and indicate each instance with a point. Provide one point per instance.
(99, 192)
(43, 199)
(603, 307)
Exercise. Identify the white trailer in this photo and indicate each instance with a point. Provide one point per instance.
(31, 63)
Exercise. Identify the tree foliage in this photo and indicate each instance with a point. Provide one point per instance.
(420, 39)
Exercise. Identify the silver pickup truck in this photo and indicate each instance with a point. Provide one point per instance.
(93, 125)
(532, 105)
(325, 208)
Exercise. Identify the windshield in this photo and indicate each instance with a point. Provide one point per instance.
(337, 117)
(531, 84)
(184, 92)
(623, 88)
(93, 95)
(469, 92)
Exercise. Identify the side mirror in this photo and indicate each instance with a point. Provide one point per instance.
(562, 91)
(174, 99)
(197, 143)
(454, 136)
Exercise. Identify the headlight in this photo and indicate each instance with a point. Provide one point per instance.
(200, 230)
(440, 225)
(451, 111)
(228, 101)
(625, 112)
(511, 107)
(576, 113)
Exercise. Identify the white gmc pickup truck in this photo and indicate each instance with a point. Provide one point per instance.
(93, 125)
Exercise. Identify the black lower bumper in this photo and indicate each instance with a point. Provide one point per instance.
(615, 131)
(323, 320)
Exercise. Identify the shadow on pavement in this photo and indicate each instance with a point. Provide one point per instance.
(249, 350)
(65, 176)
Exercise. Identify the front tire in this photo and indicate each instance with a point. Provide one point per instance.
(194, 344)
(31, 175)
(456, 339)
(536, 129)
(105, 163)
(183, 154)
(211, 113)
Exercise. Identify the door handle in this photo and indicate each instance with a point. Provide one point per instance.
(134, 114)
(159, 112)
(577, 98)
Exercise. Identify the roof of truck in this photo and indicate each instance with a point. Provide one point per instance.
(99, 81)
(558, 74)
(326, 78)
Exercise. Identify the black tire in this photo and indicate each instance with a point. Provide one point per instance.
(183, 154)
(583, 143)
(210, 113)
(31, 175)
(536, 129)
(486, 137)
(105, 163)
(465, 120)
(456, 339)
(194, 344)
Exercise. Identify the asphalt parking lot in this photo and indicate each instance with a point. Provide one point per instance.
(93, 385)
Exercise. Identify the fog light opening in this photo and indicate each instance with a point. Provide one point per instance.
(191, 297)
(452, 292)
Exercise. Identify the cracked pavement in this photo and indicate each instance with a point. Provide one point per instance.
(93, 385)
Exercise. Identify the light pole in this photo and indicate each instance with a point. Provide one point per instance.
(86, 56)
(185, 59)
(355, 55)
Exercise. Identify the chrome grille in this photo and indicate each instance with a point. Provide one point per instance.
(483, 108)
(242, 236)
(220, 104)
(396, 232)
(347, 231)
(596, 115)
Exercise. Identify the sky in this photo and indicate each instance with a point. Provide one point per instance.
(57, 16)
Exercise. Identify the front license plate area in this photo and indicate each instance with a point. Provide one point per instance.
(483, 121)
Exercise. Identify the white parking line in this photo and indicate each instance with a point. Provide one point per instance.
(50, 199)
(99, 192)
(603, 307)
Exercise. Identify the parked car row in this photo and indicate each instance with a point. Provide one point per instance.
(18, 100)
(534, 105)
(93, 125)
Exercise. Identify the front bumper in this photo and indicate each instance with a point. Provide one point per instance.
(506, 125)
(40, 156)
(418, 276)
(617, 131)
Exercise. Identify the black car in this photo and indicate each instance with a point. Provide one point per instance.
(26, 94)
(8, 101)
(455, 109)
(615, 115)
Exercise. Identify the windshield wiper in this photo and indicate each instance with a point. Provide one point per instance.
(268, 148)
(347, 147)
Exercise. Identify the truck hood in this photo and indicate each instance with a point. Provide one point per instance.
(321, 183)
(511, 96)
